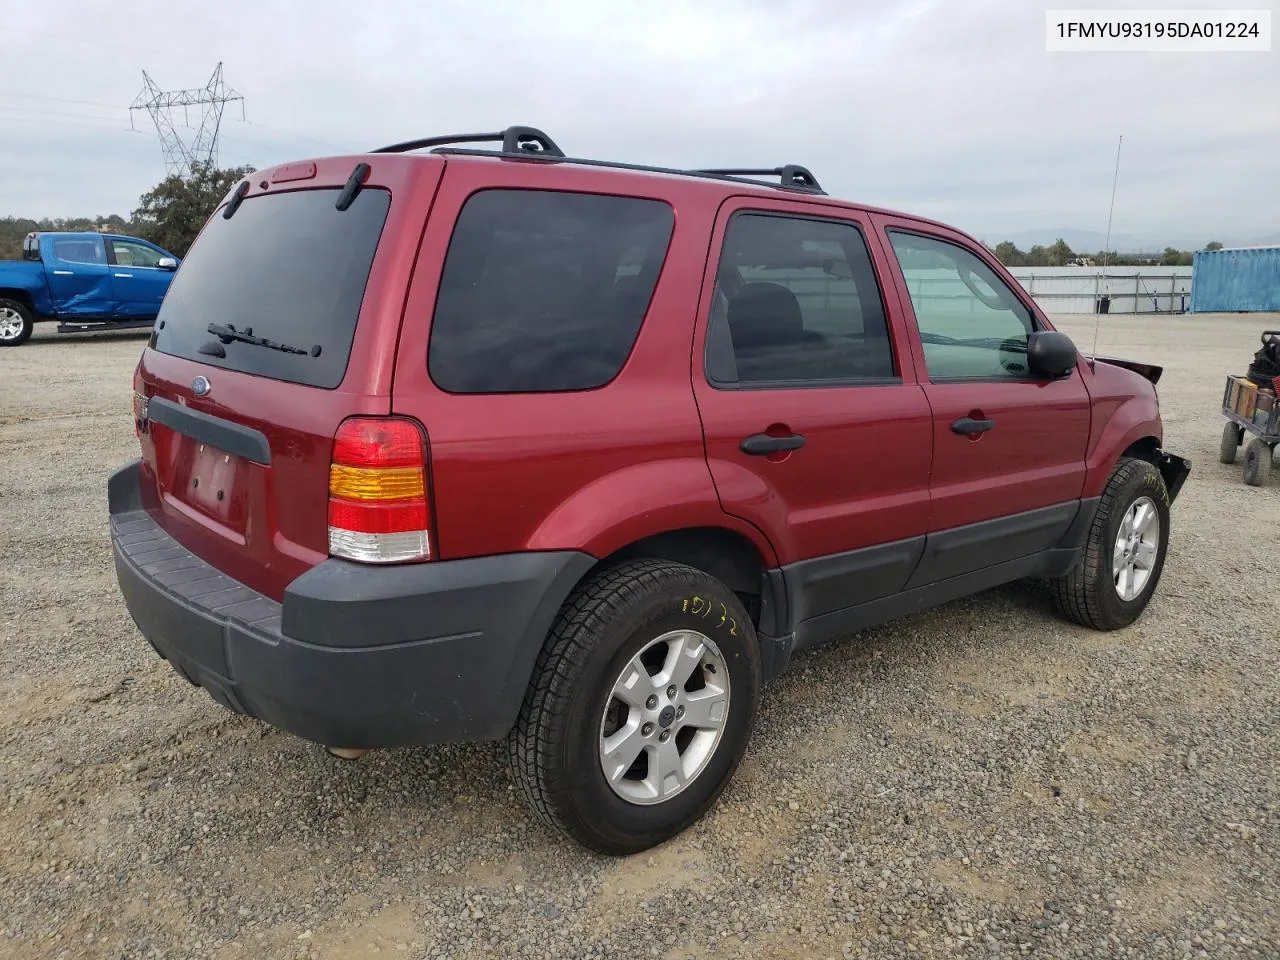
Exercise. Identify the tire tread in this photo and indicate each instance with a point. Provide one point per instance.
(1261, 452)
(573, 636)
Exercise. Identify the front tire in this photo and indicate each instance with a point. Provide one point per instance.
(1124, 554)
(16, 323)
(1257, 462)
(640, 706)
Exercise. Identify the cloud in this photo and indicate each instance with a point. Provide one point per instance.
(949, 110)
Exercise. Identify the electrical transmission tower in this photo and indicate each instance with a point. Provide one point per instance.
(183, 153)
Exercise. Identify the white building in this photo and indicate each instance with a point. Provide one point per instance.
(1145, 289)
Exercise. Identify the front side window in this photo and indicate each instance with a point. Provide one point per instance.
(544, 291)
(134, 254)
(796, 301)
(971, 324)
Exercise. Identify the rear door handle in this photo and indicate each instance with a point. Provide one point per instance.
(761, 444)
(125, 276)
(967, 425)
(64, 273)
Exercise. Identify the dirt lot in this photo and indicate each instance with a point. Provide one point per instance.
(981, 780)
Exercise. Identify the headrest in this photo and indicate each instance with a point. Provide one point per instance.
(765, 314)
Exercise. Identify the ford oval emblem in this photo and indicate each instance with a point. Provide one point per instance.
(200, 386)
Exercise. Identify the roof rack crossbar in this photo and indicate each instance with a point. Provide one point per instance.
(791, 175)
(787, 184)
(513, 140)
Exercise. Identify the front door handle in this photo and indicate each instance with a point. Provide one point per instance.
(968, 426)
(762, 444)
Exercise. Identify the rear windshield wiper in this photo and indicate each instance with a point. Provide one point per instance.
(227, 333)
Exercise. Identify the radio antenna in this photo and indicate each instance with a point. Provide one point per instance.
(1106, 249)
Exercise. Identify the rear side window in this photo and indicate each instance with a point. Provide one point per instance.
(796, 302)
(289, 267)
(544, 291)
(79, 251)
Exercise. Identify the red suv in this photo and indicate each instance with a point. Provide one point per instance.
(489, 443)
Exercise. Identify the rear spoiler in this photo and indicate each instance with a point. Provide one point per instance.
(1148, 370)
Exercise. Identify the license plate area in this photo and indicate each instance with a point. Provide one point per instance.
(212, 482)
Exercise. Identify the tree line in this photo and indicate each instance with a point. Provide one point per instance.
(1060, 254)
(170, 214)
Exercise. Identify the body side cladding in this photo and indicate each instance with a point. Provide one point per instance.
(797, 609)
(1054, 562)
(1078, 530)
(950, 553)
(823, 585)
(774, 629)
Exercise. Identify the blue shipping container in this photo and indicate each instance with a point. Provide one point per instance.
(1243, 279)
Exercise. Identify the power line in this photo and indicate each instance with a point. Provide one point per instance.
(56, 113)
(81, 124)
(301, 137)
(83, 103)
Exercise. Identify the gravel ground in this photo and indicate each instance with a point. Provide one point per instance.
(982, 780)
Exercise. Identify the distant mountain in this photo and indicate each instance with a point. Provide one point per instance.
(1270, 240)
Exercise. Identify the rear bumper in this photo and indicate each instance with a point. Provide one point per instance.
(355, 656)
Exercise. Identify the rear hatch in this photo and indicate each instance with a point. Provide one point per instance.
(281, 322)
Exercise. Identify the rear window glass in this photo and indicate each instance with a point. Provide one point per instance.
(79, 251)
(544, 290)
(289, 267)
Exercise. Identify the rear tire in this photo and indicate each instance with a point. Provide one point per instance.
(1231, 436)
(613, 641)
(1257, 463)
(1123, 557)
(16, 322)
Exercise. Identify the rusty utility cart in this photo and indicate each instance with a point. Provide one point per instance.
(1250, 409)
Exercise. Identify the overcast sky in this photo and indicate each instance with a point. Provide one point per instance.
(949, 109)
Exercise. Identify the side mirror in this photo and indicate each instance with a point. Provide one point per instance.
(167, 263)
(1051, 355)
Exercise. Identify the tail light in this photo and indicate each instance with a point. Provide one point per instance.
(378, 492)
(140, 413)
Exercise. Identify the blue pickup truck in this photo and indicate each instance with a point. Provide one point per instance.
(85, 281)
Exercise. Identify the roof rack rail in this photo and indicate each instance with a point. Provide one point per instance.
(513, 139)
(791, 175)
